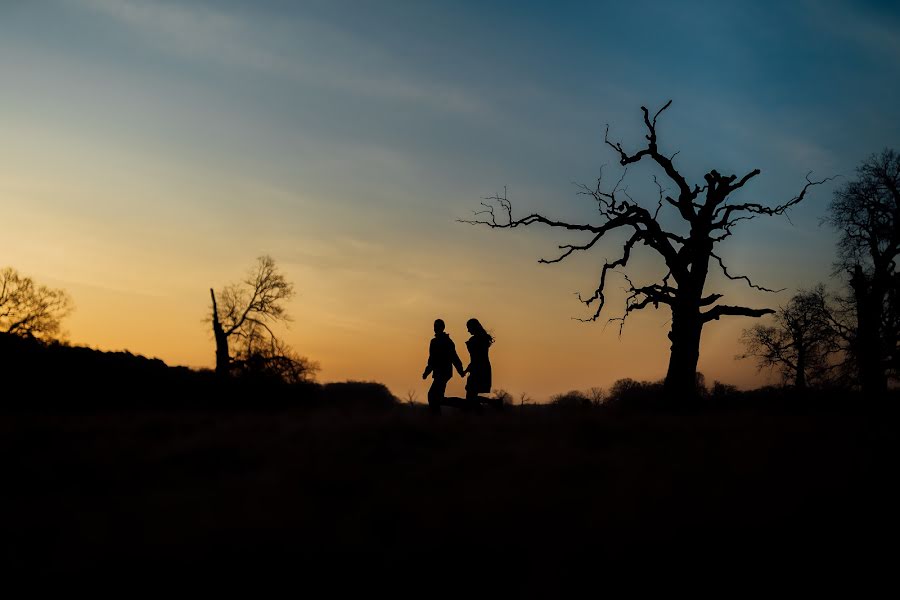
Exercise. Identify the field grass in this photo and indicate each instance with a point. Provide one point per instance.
(535, 489)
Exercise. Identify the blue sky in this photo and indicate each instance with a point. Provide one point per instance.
(158, 145)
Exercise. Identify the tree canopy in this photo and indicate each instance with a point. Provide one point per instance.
(28, 309)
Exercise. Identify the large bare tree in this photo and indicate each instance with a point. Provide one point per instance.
(28, 309)
(866, 213)
(710, 219)
(246, 311)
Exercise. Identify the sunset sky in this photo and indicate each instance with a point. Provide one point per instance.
(152, 150)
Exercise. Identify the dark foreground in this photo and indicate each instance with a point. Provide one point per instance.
(541, 491)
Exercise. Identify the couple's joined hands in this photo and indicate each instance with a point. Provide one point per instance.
(462, 373)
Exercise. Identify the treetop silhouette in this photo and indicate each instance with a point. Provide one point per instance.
(804, 342)
(28, 309)
(866, 213)
(246, 312)
(711, 219)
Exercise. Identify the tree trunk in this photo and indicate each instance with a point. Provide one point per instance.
(681, 378)
(797, 337)
(800, 378)
(869, 304)
(223, 361)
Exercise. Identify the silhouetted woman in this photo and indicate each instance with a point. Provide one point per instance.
(479, 369)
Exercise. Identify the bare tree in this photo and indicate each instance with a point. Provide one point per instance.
(28, 309)
(245, 313)
(711, 219)
(596, 395)
(802, 344)
(866, 213)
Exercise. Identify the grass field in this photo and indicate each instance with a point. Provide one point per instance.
(535, 488)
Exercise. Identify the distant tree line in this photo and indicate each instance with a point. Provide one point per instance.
(850, 337)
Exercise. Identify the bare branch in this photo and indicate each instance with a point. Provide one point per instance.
(618, 214)
(661, 194)
(730, 224)
(722, 310)
(598, 294)
(686, 197)
(569, 249)
(744, 180)
(640, 298)
(727, 210)
(711, 299)
(531, 219)
(744, 277)
(665, 106)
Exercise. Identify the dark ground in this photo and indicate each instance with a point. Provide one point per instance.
(539, 490)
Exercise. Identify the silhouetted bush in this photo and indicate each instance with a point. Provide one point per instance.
(505, 398)
(635, 395)
(722, 391)
(571, 400)
(359, 395)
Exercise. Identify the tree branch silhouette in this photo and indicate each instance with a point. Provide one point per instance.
(28, 309)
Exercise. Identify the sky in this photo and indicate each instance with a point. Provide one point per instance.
(151, 150)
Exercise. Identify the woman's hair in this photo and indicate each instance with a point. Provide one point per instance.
(479, 330)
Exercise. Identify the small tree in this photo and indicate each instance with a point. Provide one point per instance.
(245, 312)
(710, 218)
(801, 343)
(28, 309)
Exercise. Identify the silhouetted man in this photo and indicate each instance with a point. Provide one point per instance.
(442, 358)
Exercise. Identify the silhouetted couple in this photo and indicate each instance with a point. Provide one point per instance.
(442, 359)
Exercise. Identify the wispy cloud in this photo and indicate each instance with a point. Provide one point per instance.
(864, 28)
(319, 55)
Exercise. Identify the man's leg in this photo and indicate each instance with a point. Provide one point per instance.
(436, 394)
